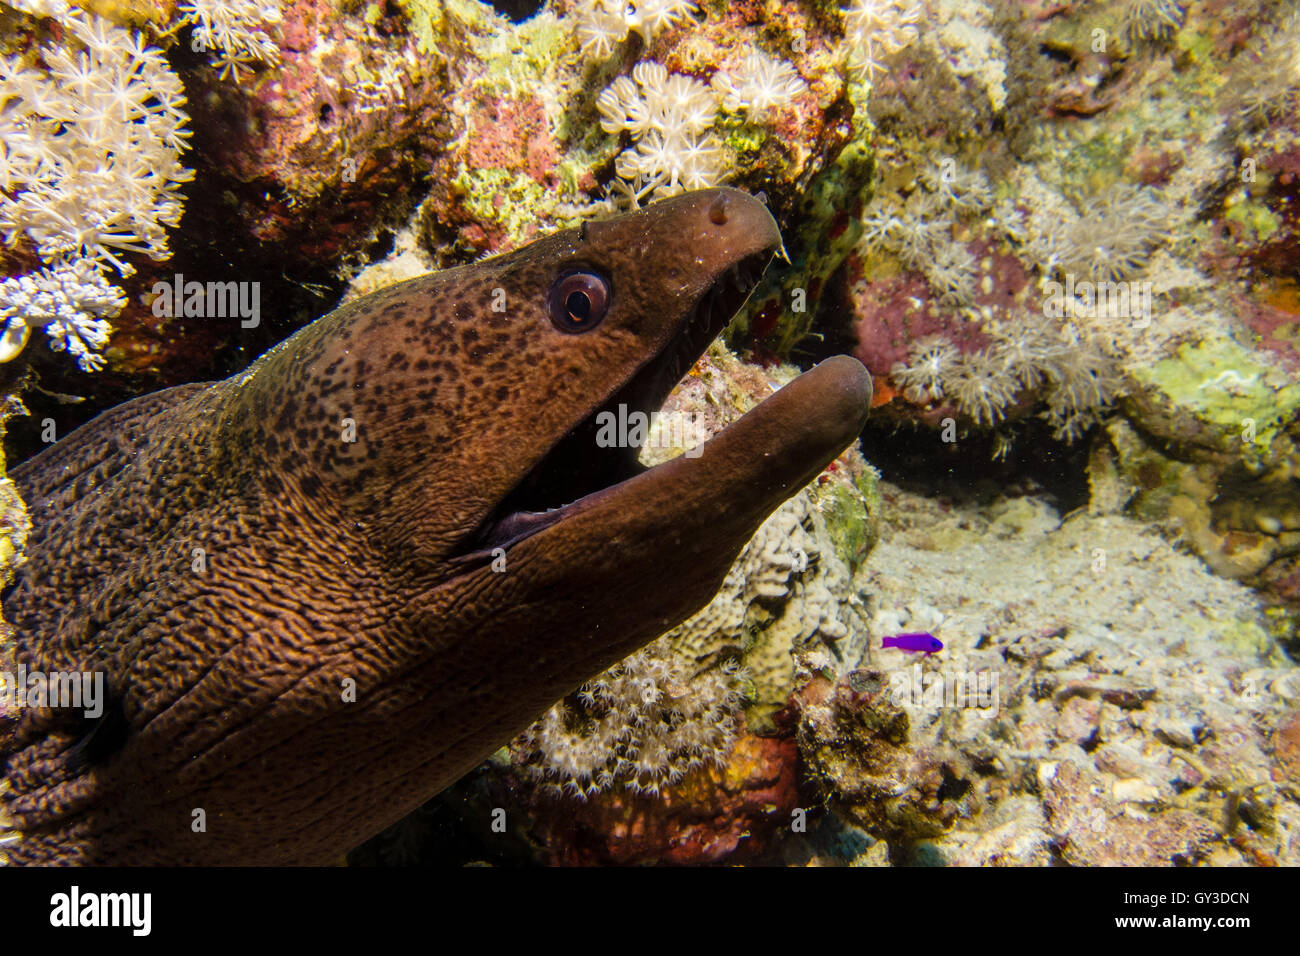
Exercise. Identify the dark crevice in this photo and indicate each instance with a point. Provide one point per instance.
(917, 459)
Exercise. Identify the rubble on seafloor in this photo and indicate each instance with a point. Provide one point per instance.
(1102, 699)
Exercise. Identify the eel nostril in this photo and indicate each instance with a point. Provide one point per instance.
(718, 211)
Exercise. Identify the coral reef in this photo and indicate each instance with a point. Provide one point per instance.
(1235, 506)
(94, 128)
(718, 814)
(1115, 245)
(1113, 250)
(318, 128)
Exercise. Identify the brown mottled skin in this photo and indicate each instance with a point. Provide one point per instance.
(329, 560)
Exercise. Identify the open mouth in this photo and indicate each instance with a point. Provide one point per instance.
(577, 467)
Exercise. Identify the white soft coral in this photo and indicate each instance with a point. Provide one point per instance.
(761, 83)
(603, 23)
(90, 143)
(668, 118)
(70, 301)
(235, 30)
(876, 29)
(91, 148)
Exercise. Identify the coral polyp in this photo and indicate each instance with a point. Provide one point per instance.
(875, 30)
(643, 725)
(982, 387)
(1152, 21)
(669, 118)
(759, 85)
(602, 24)
(1113, 236)
(932, 361)
(235, 31)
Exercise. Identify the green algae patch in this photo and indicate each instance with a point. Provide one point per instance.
(436, 22)
(14, 527)
(1259, 222)
(852, 512)
(1238, 401)
(505, 199)
(739, 134)
(1284, 627)
(1198, 45)
(1246, 637)
(518, 58)
(782, 308)
(1097, 162)
(578, 162)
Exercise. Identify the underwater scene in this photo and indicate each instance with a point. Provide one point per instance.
(853, 433)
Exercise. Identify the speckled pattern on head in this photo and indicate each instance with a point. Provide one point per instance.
(232, 563)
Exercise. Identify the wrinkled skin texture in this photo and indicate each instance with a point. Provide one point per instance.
(325, 562)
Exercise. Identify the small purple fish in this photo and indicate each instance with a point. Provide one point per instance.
(924, 642)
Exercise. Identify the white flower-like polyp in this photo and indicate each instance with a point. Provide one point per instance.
(71, 301)
(760, 84)
(603, 23)
(668, 117)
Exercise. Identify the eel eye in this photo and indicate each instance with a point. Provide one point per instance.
(579, 301)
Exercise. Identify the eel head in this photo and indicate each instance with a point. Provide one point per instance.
(415, 542)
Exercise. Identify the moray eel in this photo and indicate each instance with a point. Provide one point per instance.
(325, 588)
